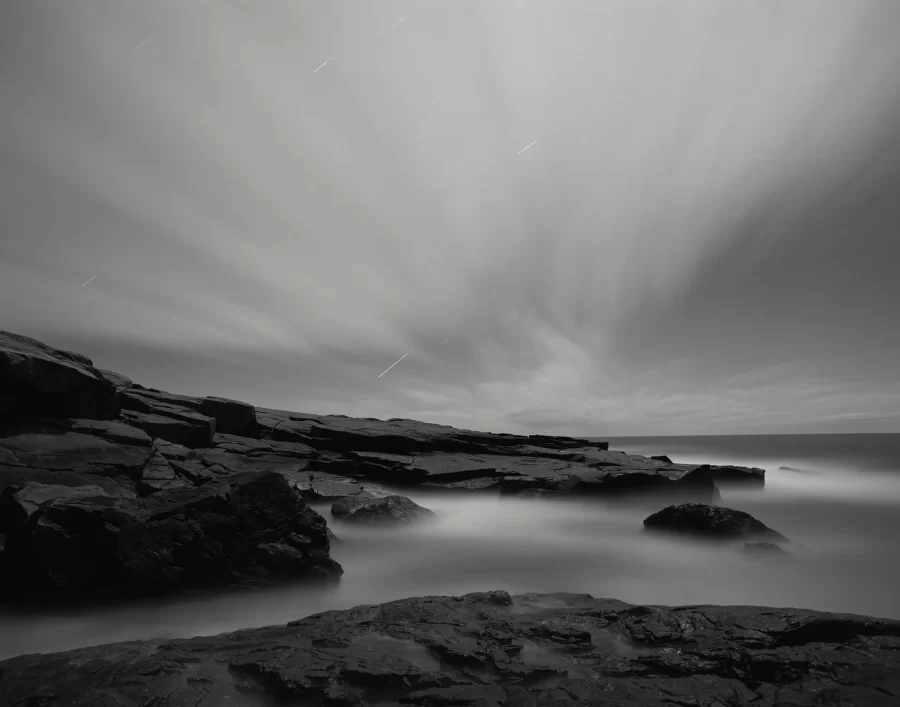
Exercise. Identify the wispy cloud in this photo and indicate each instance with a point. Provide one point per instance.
(698, 232)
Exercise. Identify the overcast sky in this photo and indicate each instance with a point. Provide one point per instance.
(703, 236)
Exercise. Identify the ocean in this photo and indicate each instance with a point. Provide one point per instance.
(838, 502)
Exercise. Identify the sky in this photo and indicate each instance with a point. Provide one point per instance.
(595, 217)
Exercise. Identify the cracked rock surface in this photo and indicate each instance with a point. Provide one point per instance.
(491, 650)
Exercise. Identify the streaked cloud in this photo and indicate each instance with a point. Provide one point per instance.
(701, 237)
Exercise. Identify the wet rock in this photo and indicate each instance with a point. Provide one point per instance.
(247, 528)
(386, 510)
(490, 649)
(36, 379)
(318, 486)
(709, 521)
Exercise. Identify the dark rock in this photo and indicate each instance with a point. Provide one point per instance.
(797, 471)
(232, 417)
(710, 521)
(102, 448)
(36, 379)
(390, 510)
(318, 486)
(662, 458)
(738, 475)
(190, 430)
(490, 649)
(243, 529)
(118, 381)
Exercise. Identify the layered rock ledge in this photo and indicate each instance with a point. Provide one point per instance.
(135, 453)
(491, 650)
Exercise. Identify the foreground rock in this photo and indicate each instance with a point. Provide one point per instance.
(710, 521)
(490, 650)
(390, 510)
(76, 541)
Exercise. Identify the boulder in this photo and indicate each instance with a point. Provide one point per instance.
(246, 528)
(36, 379)
(389, 510)
(232, 417)
(490, 649)
(709, 521)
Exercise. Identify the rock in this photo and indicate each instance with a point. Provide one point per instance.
(36, 379)
(244, 529)
(386, 510)
(118, 381)
(709, 521)
(738, 475)
(102, 448)
(190, 430)
(232, 417)
(797, 471)
(662, 458)
(319, 486)
(490, 649)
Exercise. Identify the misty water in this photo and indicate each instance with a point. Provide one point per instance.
(844, 523)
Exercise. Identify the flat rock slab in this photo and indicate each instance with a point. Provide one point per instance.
(106, 448)
(490, 649)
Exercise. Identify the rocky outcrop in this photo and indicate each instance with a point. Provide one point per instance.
(239, 530)
(491, 650)
(389, 510)
(710, 521)
(37, 379)
(65, 423)
(232, 417)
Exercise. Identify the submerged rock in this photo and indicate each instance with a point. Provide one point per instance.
(490, 649)
(709, 521)
(387, 510)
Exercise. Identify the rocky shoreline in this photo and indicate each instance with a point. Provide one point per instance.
(489, 650)
(108, 488)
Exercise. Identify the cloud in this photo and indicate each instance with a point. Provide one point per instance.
(701, 238)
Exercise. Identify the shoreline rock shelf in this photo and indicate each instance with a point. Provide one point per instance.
(492, 650)
(97, 458)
